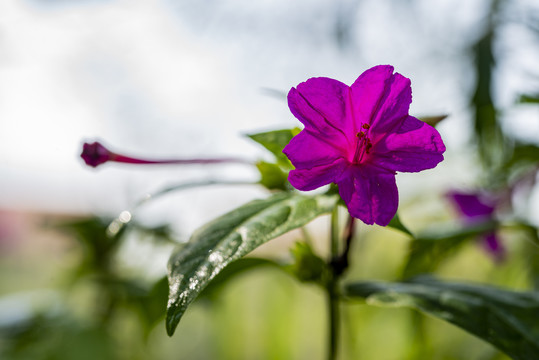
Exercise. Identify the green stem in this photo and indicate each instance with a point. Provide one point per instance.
(332, 298)
(338, 263)
(334, 323)
(188, 185)
(117, 224)
(335, 233)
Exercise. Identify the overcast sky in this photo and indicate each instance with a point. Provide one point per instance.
(187, 78)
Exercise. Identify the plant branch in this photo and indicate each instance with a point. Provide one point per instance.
(337, 264)
(331, 288)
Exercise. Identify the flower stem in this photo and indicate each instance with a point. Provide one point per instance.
(338, 263)
(332, 298)
(335, 233)
(117, 224)
(189, 185)
(196, 161)
(334, 323)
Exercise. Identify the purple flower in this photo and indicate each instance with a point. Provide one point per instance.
(358, 137)
(95, 154)
(473, 206)
(477, 207)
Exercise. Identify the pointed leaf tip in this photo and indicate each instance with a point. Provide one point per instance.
(397, 224)
(226, 239)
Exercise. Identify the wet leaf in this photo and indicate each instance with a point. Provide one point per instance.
(506, 319)
(230, 272)
(230, 237)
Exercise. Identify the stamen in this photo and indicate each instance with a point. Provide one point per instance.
(363, 144)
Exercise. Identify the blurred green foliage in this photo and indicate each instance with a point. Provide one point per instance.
(87, 329)
(258, 308)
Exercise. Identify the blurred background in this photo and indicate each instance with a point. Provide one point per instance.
(185, 78)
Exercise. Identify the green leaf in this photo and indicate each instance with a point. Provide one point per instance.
(157, 234)
(490, 137)
(230, 272)
(308, 266)
(433, 120)
(506, 319)
(396, 224)
(98, 243)
(427, 251)
(523, 154)
(271, 176)
(275, 141)
(528, 99)
(231, 236)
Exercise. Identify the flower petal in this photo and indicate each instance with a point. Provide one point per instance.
(321, 105)
(494, 246)
(394, 105)
(306, 150)
(413, 147)
(367, 91)
(370, 193)
(381, 98)
(313, 178)
(472, 206)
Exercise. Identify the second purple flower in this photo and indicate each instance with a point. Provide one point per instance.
(358, 137)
